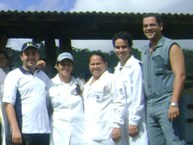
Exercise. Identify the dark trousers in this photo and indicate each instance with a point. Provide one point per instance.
(36, 139)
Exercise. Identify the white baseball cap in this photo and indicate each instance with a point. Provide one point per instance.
(64, 55)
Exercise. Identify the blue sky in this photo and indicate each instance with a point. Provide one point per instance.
(37, 5)
(166, 6)
(134, 6)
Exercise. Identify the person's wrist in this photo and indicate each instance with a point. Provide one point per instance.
(174, 104)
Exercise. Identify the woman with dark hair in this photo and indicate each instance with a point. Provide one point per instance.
(67, 119)
(104, 101)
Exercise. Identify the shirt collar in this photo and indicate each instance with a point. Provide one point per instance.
(127, 64)
(159, 44)
(28, 72)
(57, 80)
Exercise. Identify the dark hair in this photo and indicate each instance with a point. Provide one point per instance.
(4, 53)
(98, 53)
(126, 36)
(156, 16)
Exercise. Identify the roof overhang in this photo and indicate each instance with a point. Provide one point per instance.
(89, 25)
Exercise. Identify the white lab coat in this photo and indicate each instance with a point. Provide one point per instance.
(67, 120)
(131, 75)
(104, 102)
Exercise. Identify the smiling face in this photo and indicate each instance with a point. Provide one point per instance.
(65, 68)
(30, 58)
(122, 50)
(151, 28)
(97, 66)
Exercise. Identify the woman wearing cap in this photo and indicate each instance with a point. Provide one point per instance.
(67, 120)
(104, 101)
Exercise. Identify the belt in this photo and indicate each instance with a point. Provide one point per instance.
(159, 93)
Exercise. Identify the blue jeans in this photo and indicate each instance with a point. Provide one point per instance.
(162, 131)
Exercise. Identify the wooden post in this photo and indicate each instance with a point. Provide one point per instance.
(50, 50)
(65, 45)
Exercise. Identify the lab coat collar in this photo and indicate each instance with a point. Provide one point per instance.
(57, 80)
(127, 64)
(101, 77)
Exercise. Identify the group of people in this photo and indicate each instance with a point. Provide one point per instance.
(140, 104)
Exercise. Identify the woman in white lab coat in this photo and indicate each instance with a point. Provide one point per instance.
(104, 100)
(129, 71)
(67, 119)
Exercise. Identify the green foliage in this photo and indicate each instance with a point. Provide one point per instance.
(188, 55)
(81, 62)
(81, 57)
(136, 53)
(16, 61)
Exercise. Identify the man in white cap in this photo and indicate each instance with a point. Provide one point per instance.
(25, 95)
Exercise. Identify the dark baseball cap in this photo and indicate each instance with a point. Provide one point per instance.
(29, 45)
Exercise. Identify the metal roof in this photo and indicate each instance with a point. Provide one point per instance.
(88, 25)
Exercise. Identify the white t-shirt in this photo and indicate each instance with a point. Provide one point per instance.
(28, 93)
